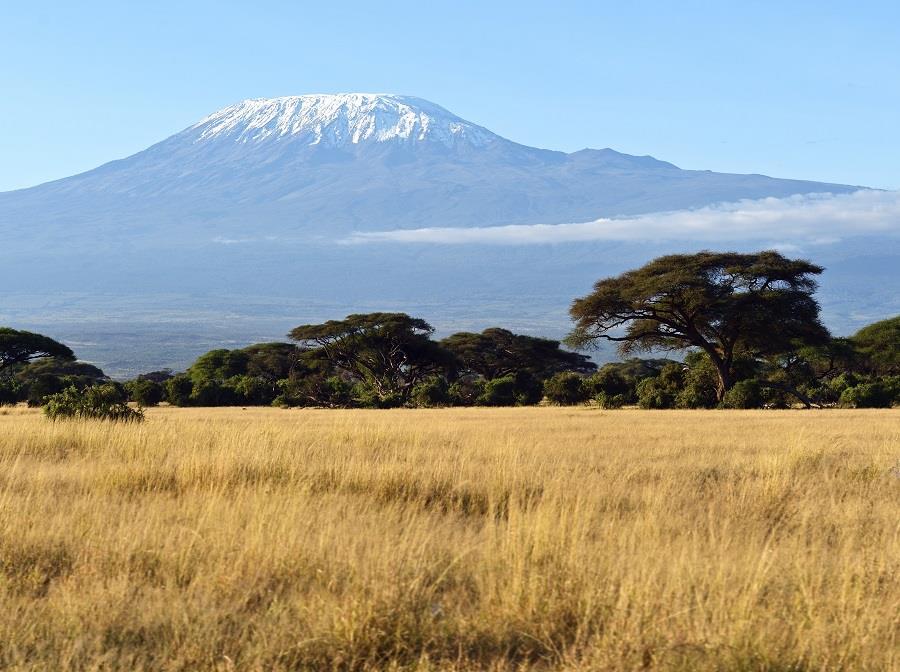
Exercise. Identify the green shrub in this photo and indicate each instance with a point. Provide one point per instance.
(178, 390)
(605, 400)
(662, 391)
(10, 391)
(867, 395)
(430, 393)
(465, 391)
(566, 389)
(744, 394)
(97, 402)
(608, 381)
(498, 392)
(365, 396)
(840, 383)
(145, 392)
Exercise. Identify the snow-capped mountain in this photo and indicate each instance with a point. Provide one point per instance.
(338, 120)
(327, 165)
(243, 213)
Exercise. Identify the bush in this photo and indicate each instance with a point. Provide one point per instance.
(97, 402)
(566, 389)
(365, 396)
(744, 394)
(10, 391)
(145, 392)
(465, 391)
(867, 395)
(498, 392)
(178, 390)
(605, 400)
(430, 393)
(610, 382)
(662, 391)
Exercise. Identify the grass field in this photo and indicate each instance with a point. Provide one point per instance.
(472, 539)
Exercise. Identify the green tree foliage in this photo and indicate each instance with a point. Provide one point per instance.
(387, 353)
(432, 392)
(96, 402)
(876, 394)
(145, 392)
(496, 352)
(42, 377)
(725, 304)
(662, 391)
(498, 392)
(744, 394)
(566, 388)
(20, 347)
(878, 346)
(248, 376)
(179, 389)
(466, 391)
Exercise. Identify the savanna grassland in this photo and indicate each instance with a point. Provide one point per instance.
(471, 539)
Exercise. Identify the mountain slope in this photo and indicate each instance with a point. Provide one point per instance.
(326, 165)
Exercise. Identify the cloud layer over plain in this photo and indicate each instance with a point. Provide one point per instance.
(811, 219)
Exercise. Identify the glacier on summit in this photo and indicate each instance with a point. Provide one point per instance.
(338, 119)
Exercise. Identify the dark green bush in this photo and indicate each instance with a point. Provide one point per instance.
(566, 389)
(178, 390)
(97, 402)
(10, 391)
(465, 391)
(867, 395)
(430, 393)
(498, 392)
(605, 400)
(145, 392)
(744, 394)
(662, 391)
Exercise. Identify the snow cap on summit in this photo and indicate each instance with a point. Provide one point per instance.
(341, 119)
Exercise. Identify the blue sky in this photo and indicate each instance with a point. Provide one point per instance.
(801, 89)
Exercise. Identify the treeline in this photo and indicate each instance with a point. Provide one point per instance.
(748, 323)
(388, 360)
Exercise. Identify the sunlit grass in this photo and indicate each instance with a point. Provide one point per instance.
(473, 539)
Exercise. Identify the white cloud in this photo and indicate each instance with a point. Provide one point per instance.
(818, 219)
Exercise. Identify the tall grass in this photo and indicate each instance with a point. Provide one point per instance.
(472, 539)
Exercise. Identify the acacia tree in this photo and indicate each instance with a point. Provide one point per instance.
(726, 304)
(19, 347)
(879, 347)
(389, 352)
(497, 352)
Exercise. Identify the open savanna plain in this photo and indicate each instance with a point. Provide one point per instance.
(470, 539)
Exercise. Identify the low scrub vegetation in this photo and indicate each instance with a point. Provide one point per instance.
(457, 539)
(96, 402)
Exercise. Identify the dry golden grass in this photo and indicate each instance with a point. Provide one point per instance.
(451, 540)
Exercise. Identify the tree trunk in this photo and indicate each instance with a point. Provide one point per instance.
(725, 382)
